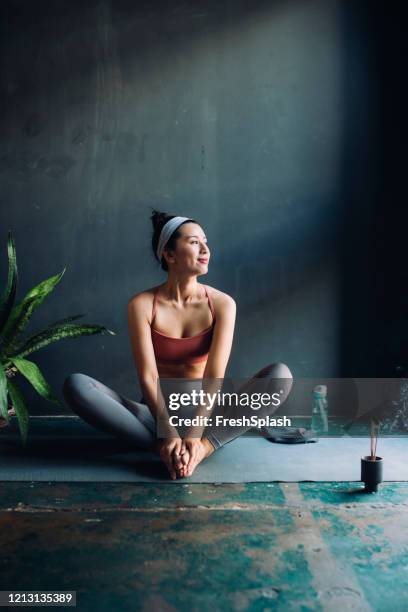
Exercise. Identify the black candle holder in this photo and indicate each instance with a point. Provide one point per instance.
(371, 473)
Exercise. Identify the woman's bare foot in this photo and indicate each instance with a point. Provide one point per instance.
(205, 449)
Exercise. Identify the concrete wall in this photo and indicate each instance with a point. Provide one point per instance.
(259, 119)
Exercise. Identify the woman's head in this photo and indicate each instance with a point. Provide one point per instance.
(186, 245)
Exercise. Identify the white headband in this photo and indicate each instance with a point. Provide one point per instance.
(166, 231)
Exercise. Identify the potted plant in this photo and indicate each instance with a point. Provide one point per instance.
(14, 348)
(371, 465)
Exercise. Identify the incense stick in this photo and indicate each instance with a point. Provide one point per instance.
(376, 440)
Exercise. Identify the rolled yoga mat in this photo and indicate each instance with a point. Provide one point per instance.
(67, 449)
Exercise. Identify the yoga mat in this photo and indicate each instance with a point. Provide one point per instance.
(66, 449)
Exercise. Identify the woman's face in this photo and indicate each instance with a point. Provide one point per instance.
(192, 252)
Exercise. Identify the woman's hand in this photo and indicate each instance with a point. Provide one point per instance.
(198, 449)
(171, 451)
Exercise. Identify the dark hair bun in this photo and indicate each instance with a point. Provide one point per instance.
(159, 219)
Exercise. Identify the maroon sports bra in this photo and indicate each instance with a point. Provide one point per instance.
(182, 350)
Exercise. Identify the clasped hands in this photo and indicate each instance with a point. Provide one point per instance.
(181, 455)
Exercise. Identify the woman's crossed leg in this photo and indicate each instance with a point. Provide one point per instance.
(113, 413)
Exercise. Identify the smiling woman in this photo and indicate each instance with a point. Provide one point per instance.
(191, 339)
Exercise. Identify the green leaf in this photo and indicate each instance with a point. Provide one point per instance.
(8, 297)
(33, 374)
(20, 407)
(17, 348)
(21, 313)
(65, 320)
(3, 394)
(58, 333)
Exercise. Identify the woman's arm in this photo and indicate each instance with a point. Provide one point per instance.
(218, 357)
(145, 361)
(220, 350)
(170, 445)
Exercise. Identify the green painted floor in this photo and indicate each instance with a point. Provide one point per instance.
(197, 547)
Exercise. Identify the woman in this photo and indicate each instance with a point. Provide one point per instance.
(178, 330)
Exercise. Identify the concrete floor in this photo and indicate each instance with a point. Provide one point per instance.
(195, 547)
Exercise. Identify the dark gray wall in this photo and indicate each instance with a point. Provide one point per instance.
(236, 113)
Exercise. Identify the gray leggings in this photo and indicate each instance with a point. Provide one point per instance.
(128, 419)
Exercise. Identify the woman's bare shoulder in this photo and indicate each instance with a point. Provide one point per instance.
(142, 299)
(221, 300)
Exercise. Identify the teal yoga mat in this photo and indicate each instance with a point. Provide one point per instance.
(67, 449)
